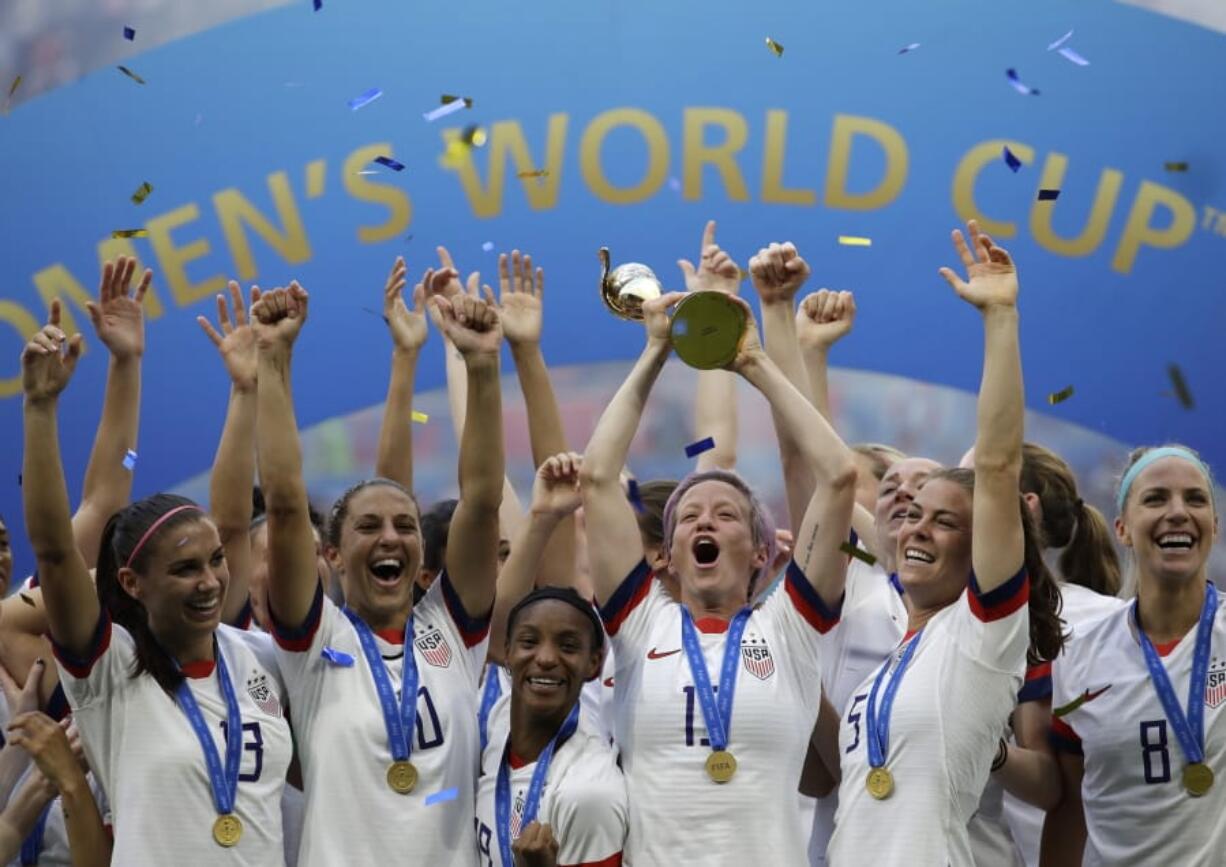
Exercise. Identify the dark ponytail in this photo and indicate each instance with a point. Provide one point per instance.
(120, 537)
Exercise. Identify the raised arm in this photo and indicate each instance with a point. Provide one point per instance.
(826, 524)
(997, 542)
(474, 329)
(618, 547)
(233, 472)
(715, 413)
(521, 308)
(292, 578)
(555, 497)
(47, 364)
(408, 329)
(119, 323)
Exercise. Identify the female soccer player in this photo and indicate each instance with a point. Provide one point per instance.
(1139, 718)
(384, 692)
(711, 775)
(180, 717)
(918, 736)
(551, 788)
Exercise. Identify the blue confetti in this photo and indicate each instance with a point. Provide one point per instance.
(693, 450)
(1059, 42)
(129, 460)
(442, 797)
(906, 49)
(319, 4)
(390, 163)
(129, 34)
(1011, 159)
(337, 657)
(1048, 195)
(1021, 87)
(636, 498)
(365, 99)
(1072, 56)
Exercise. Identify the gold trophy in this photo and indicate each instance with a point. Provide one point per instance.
(706, 326)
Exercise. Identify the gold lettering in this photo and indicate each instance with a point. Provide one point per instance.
(508, 137)
(1139, 232)
(590, 146)
(1100, 213)
(773, 190)
(846, 128)
(391, 197)
(174, 259)
(24, 323)
(698, 153)
(234, 209)
(966, 176)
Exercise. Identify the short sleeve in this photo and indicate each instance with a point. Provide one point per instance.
(993, 628)
(590, 814)
(441, 605)
(802, 619)
(92, 675)
(630, 611)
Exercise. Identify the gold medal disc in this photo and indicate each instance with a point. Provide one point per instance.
(402, 777)
(721, 766)
(227, 830)
(1197, 779)
(880, 783)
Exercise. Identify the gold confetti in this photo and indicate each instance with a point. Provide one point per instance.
(1175, 167)
(132, 75)
(855, 241)
(473, 136)
(1182, 393)
(774, 46)
(1060, 396)
(16, 84)
(420, 417)
(540, 173)
(448, 98)
(130, 233)
(142, 193)
(859, 553)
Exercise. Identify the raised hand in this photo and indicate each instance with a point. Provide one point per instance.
(556, 488)
(471, 324)
(452, 286)
(991, 277)
(535, 847)
(408, 327)
(48, 744)
(749, 349)
(46, 367)
(824, 317)
(236, 340)
(778, 272)
(655, 315)
(22, 699)
(519, 298)
(116, 315)
(278, 316)
(716, 271)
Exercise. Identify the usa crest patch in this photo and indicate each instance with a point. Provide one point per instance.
(1215, 684)
(434, 648)
(261, 693)
(757, 658)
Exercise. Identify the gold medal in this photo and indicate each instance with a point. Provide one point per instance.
(880, 783)
(402, 777)
(227, 830)
(1197, 779)
(721, 766)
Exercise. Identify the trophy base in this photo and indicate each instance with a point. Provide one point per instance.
(706, 330)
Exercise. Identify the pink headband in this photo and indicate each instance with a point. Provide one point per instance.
(153, 528)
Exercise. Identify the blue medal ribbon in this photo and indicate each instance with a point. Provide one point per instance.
(532, 802)
(399, 721)
(1190, 727)
(490, 694)
(716, 714)
(32, 845)
(222, 779)
(878, 722)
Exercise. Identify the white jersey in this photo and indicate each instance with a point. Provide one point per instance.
(584, 801)
(352, 816)
(1081, 607)
(595, 700)
(677, 814)
(146, 755)
(873, 621)
(1133, 761)
(948, 716)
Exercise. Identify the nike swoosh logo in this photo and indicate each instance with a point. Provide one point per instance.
(1088, 695)
(655, 654)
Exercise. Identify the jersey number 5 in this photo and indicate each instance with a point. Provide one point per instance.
(853, 717)
(1155, 755)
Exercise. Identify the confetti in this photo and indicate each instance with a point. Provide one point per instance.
(444, 110)
(129, 34)
(635, 497)
(420, 417)
(365, 99)
(488, 246)
(774, 46)
(1060, 396)
(859, 553)
(540, 173)
(442, 797)
(1073, 57)
(1048, 195)
(1182, 393)
(319, 4)
(473, 136)
(377, 313)
(693, 450)
(1011, 159)
(390, 163)
(142, 193)
(28, 601)
(1175, 167)
(13, 88)
(855, 241)
(906, 49)
(367, 172)
(132, 75)
(1059, 42)
(1018, 85)
(336, 657)
(129, 460)
(674, 184)
(448, 98)
(130, 233)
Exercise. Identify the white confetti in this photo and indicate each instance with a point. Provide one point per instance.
(444, 110)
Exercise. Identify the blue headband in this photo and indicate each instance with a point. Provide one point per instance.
(1156, 455)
